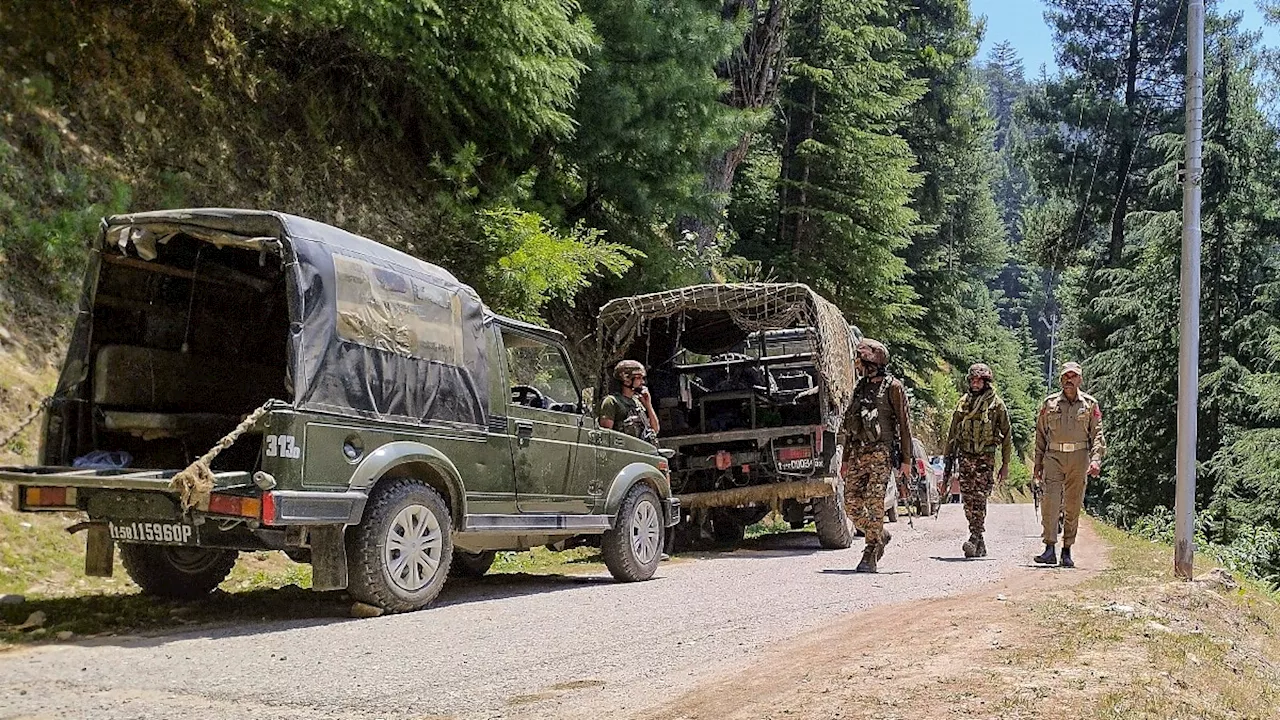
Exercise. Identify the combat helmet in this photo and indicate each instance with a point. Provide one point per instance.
(627, 369)
(873, 351)
(981, 370)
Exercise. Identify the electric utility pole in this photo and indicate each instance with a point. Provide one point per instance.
(1189, 337)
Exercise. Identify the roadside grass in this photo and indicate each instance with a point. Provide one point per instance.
(1147, 645)
(541, 561)
(40, 561)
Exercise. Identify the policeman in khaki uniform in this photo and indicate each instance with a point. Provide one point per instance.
(1069, 445)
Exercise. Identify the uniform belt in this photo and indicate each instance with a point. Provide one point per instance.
(1068, 447)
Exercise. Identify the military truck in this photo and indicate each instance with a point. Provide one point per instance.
(396, 431)
(750, 383)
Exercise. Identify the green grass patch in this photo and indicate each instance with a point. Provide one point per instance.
(541, 561)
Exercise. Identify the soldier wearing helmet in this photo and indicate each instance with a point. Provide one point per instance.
(877, 436)
(630, 410)
(979, 427)
(1069, 446)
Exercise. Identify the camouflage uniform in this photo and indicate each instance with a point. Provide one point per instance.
(876, 426)
(979, 427)
(865, 483)
(977, 477)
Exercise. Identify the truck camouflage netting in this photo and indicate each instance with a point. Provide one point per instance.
(714, 318)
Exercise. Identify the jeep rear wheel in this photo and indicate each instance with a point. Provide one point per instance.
(472, 565)
(634, 546)
(182, 573)
(398, 558)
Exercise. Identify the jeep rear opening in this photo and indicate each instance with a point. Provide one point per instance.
(366, 413)
(750, 382)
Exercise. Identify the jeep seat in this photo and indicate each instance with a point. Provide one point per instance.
(160, 393)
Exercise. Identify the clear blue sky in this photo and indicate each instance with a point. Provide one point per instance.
(1021, 22)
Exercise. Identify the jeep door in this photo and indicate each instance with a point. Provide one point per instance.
(545, 425)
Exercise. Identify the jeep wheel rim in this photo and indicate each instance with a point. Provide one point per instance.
(646, 532)
(414, 544)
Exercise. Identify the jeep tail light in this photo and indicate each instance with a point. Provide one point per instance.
(238, 505)
(48, 498)
(268, 508)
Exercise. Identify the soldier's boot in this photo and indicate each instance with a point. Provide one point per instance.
(868, 564)
(970, 546)
(982, 546)
(1067, 562)
(885, 537)
(1048, 557)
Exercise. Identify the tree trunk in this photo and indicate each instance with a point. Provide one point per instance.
(753, 71)
(1128, 143)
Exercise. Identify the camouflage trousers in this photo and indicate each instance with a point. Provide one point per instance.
(976, 479)
(865, 482)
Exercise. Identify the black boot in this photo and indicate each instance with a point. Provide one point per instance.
(868, 564)
(970, 546)
(885, 537)
(1067, 562)
(982, 547)
(1048, 557)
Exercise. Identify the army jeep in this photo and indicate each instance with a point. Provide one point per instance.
(397, 431)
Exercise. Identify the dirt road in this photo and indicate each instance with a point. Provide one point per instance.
(524, 647)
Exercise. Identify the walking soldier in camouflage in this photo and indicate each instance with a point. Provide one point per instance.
(979, 427)
(877, 433)
(1069, 446)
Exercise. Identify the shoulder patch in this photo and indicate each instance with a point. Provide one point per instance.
(1097, 411)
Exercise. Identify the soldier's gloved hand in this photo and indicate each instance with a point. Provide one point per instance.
(1095, 469)
(1004, 473)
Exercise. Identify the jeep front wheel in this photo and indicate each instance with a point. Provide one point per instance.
(633, 547)
(181, 573)
(398, 558)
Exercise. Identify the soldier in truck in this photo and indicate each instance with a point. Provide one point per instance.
(630, 410)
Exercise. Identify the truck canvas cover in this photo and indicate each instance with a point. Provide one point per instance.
(373, 330)
(712, 319)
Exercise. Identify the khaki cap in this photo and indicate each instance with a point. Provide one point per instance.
(1071, 367)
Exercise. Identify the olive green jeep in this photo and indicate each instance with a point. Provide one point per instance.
(395, 431)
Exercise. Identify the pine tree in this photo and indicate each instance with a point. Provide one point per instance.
(845, 177)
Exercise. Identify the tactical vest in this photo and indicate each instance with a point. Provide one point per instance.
(873, 412)
(636, 421)
(977, 417)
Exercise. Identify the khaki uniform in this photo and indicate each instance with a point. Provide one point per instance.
(1068, 438)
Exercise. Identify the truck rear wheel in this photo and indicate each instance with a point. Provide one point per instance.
(181, 573)
(472, 565)
(835, 532)
(633, 547)
(398, 558)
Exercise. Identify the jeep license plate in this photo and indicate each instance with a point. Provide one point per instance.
(152, 533)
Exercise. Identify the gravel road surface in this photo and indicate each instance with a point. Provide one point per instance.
(523, 647)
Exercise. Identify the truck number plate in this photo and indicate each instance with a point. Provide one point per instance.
(153, 533)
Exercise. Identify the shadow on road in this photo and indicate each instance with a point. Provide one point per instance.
(797, 542)
(141, 621)
(851, 571)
